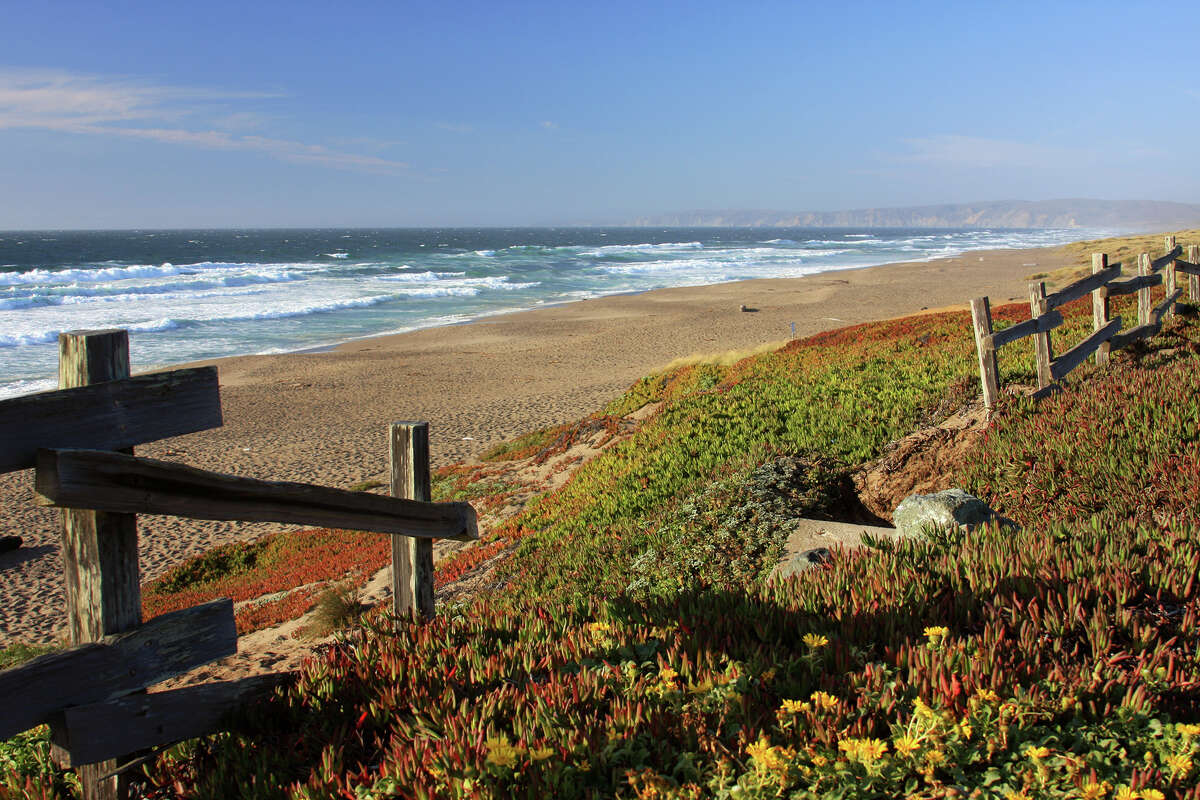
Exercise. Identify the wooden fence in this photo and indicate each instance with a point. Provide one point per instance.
(80, 440)
(1107, 335)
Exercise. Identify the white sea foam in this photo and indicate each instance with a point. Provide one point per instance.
(135, 271)
(619, 249)
(338, 255)
(420, 276)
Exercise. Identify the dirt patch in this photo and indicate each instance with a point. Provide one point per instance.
(923, 462)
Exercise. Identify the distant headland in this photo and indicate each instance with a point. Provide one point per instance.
(1126, 215)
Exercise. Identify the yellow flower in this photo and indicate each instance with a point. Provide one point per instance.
(965, 727)
(758, 750)
(988, 696)
(824, 701)
(1013, 795)
(936, 632)
(792, 707)
(906, 745)
(922, 710)
(667, 674)
(1125, 793)
(1179, 764)
(935, 758)
(501, 752)
(819, 760)
(1095, 791)
(777, 759)
(815, 641)
(1188, 730)
(1152, 794)
(864, 750)
(1037, 753)
(541, 753)
(599, 630)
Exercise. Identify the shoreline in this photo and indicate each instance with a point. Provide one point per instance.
(322, 417)
(326, 348)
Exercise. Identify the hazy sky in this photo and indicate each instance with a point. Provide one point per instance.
(446, 113)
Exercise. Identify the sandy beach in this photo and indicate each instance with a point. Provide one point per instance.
(322, 417)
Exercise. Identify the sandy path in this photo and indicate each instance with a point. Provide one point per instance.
(322, 417)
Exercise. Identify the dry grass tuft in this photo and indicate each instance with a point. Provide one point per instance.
(337, 608)
(725, 359)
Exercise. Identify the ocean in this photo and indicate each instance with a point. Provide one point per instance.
(193, 294)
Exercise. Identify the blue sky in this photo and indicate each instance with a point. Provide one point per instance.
(493, 113)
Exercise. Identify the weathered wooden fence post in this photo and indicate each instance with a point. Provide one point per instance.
(1041, 341)
(1169, 276)
(1144, 292)
(100, 552)
(989, 370)
(1100, 307)
(1193, 280)
(412, 558)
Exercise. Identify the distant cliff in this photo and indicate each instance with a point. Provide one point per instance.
(1127, 215)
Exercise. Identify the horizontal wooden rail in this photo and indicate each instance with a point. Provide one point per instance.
(112, 415)
(1071, 359)
(1043, 324)
(1082, 287)
(1156, 313)
(1123, 340)
(1163, 260)
(101, 731)
(116, 482)
(1132, 285)
(1187, 268)
(115, 665)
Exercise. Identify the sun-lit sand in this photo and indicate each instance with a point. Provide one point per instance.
(322, 417)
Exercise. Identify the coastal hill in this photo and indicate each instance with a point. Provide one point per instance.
(1129, 215)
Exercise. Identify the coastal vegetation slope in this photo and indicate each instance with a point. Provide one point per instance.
(628, 643)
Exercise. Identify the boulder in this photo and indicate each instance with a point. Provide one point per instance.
(802, 561)
(952, 508)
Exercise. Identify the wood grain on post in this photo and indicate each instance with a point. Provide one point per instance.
(1144, 292)
(116, 665)
(100, 552)
(1194, 280)
(989, 370)
(142, 721)
(1169, 271)
(109, 416)
(1041, 341)
(1100, 307)
(412, 559)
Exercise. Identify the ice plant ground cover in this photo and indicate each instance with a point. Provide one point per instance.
(635, 650)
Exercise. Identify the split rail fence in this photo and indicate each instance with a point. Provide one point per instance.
(1107, 335)
(80, 441)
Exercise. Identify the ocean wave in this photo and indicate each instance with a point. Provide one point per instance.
(74, 294)
(780, 241)
(337, 255)
(45, 337)
(619, 249)
(420, 276)
(134, 271)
